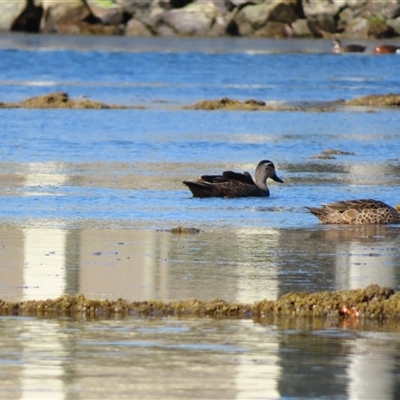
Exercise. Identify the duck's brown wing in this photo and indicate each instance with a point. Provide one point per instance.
(240, 185)
(369, 211)
(363, 211)
(357, 205)
(203, 188)
(212, 178)
(226, 177)
(237, 176)
(235, 188)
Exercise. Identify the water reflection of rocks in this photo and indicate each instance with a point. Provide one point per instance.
(364, 254)
(242, 266)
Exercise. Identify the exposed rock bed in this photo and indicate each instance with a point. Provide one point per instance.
(257, 18)
(62, 100)
(329, 154)
(379, 100)
(373, 302)
(259, 105)
(59, 100)
(384, 100)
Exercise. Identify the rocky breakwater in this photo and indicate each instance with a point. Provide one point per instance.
(251, 18)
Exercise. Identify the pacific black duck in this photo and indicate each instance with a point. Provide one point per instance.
(350, 48)
(235, 184)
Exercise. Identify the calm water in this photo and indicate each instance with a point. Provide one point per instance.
(88, 197)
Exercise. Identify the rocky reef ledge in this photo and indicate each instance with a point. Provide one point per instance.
(228, 104)
(378, 100)
(372, 303)
(256, 18)
(63, 100)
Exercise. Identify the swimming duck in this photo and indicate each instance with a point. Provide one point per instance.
(386, 49)
(235, 184)
(350, 48)
(356, 212)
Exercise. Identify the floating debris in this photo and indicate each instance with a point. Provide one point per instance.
(373, 302)
(62, 100)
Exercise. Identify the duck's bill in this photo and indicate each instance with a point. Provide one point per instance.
(277, 179)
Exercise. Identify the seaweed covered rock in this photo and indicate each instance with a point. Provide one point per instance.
(377, 100)
(229, 104)
(366, 302)
(59, 100)
(370, 303)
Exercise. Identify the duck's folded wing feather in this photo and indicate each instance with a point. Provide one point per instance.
(212, 179)
(362, 204)
(237, 176)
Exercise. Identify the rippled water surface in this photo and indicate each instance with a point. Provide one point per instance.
(196, 359)
(88, 197)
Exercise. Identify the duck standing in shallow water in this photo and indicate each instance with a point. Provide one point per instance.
(350, 48)
(235, 184)
(357, 212)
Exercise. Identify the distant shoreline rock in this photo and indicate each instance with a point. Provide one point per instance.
(361, 19)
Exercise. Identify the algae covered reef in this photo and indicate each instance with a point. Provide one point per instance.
(63, 100)
(371, 303)
(60, 100)
(384, 100)
(228, 104)
(378, 100)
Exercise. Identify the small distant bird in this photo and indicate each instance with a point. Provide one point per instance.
(387, 49)
(350, 48)
(235, 184)
(357, 212)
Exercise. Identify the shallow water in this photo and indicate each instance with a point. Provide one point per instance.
(89, 195)
(213, 359)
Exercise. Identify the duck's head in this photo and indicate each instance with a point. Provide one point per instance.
(266, 169)
(337, 45)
